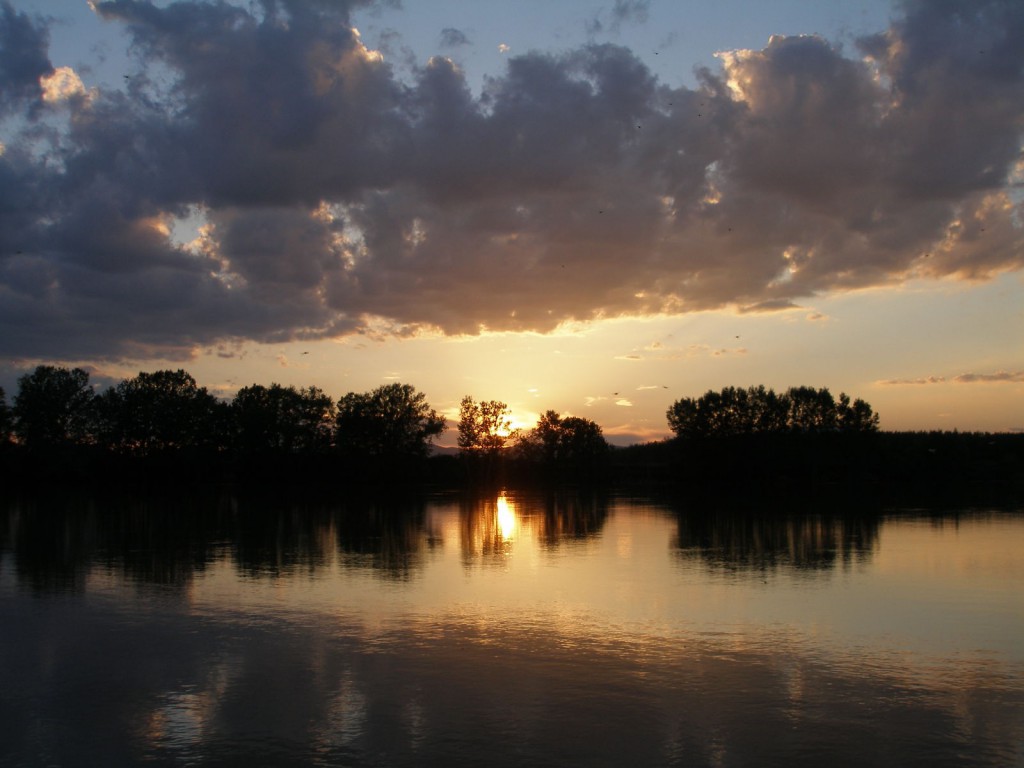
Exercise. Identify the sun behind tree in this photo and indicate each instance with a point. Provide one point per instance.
(485, 427)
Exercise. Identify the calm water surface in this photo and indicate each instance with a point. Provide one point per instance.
(506, 630)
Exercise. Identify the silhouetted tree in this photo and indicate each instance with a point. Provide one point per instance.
(284, 419)
(484, 427)
(6, 419)
(815, 410)
(563, 443)
(811, 410)
(735, 411)
(54, 406)
(581, 440)
(162, 411)
(729, 412)
(393, 421)
(767, 410)
(542, 443)
(856, 416)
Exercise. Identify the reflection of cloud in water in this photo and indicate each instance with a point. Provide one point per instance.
(178, 723)
(508, 692)
(416, 718)
(345, 718)
(182, 721)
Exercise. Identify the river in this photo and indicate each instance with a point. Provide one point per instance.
(507, 629)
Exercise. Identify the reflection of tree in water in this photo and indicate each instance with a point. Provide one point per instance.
(163, 540)
(387, 538)
(737, 540)
(56, 538)
(281, 536)
(166, 539)
(489, 526)
(484, 529)
(51, 540)
(572, 516)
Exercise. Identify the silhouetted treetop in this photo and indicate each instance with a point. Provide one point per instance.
(53, 406)
(736, 411)
(485, 426)
(6, 418)
(563, 441)
(393, 420)
(286, 419)
(160, 411)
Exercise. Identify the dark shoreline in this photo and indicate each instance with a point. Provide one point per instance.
(934, 466)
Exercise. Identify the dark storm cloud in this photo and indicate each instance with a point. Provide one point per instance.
(276, 109)
(23, 58)
(336, 198)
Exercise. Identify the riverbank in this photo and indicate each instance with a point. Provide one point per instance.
(932, 463)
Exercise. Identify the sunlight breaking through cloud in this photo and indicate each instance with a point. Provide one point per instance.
(576, 186)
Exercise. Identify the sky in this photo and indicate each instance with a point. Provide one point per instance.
(590, 207)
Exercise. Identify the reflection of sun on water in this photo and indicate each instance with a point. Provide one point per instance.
(506, 518)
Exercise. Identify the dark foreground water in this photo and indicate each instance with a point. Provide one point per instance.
(507, 630)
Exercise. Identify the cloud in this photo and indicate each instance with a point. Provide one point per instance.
(23, 59)
(622, 12)
(695, 350)
(230, 354)
(963, 378)
(631, 11)
(61, 84)
(624, 403)
(771, 305)
(912, 382)
(990, 378)
(337, 199)
(453, 38)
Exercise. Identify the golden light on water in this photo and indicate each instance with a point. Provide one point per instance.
(506, 518)
(490, 528)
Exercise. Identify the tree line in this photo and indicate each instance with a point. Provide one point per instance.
(165, 426)
(735, 411)
(166, 411)
(382, 434)
(389, 430)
